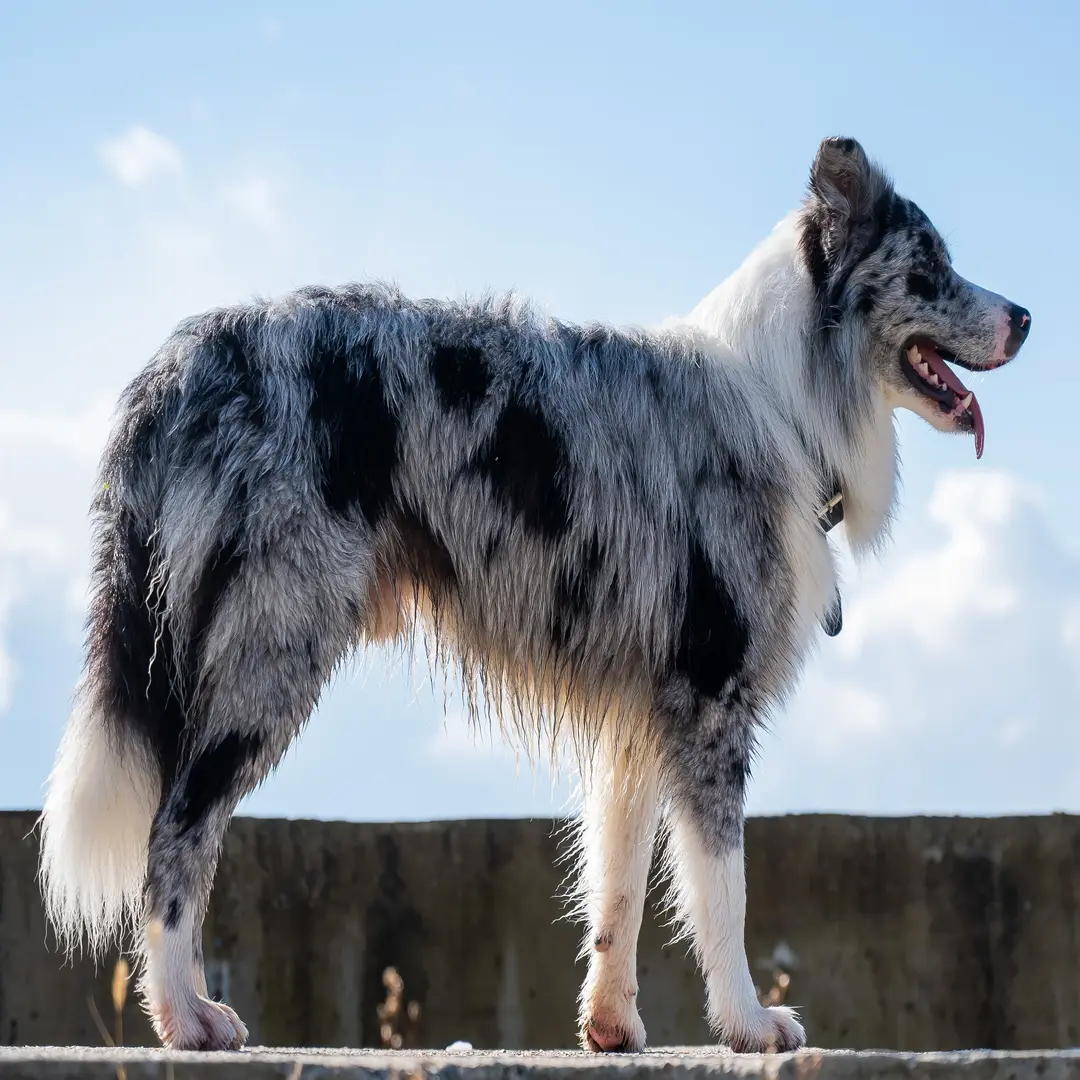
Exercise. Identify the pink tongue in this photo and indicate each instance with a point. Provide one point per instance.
(980, 431)
(948, 377)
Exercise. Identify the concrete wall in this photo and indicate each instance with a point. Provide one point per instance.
(909, 933)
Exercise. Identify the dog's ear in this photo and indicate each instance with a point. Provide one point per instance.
(846, 184)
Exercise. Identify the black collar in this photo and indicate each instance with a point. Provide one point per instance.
(832, 513)
(829, 516)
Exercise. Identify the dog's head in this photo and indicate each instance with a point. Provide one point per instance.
(882, 273)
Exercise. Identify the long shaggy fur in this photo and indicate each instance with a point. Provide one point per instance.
(614, 533)
(96, 826)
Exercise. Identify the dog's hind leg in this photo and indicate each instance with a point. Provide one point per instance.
(272, 640)
(710, 750)
(618, 831)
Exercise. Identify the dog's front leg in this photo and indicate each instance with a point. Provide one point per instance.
(618, 832)
(711, 752)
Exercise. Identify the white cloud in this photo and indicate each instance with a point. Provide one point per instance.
(47, 460)
(139, 155)
(81, 435)
(856, 713)
(930, 593)
(255, 200)
(952, 685)
(31, 554)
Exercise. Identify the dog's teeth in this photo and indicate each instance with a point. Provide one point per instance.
(965, 403)
(934, 380)
(914, 355)
(924, 370)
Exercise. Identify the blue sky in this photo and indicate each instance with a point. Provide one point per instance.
(611, 162)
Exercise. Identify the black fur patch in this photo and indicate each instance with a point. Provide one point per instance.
(244, 380)
(356, 431)
(225, 398)
(713, 639)
(925, 243)
(218, 573)
(574, 592)
(731, 471)
(525, 463)
(461, 376)
(147, 675)
(131, 659)
(883, 221)
(923, 286)
(869, 232)
(812, 243)
(427, 557)
(131, 653)
(724, 763)
(213, 775)
(865, 304)
(172, 914)
(867, 237)
(735, 475)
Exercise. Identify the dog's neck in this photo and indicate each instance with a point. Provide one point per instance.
(763, 314)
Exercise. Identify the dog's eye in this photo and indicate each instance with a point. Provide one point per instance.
(922, 286)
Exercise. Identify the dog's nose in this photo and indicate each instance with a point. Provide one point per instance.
(1019, 325)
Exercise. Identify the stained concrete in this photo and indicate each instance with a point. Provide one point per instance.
(691, 1063)
(908, 933)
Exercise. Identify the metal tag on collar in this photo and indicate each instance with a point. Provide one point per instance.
(832, 513)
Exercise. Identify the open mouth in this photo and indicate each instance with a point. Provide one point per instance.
(924, 364)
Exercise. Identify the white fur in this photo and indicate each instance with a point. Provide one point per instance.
(759, 313)
(94, 832)
(619, 828)
(710, 892)
(174, 987)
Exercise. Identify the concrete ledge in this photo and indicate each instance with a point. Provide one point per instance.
(675, 1063)
(916, 934)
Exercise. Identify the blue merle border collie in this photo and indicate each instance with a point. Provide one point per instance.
(618, 537)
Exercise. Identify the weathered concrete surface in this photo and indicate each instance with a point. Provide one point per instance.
(912, 934)
(690, 1063)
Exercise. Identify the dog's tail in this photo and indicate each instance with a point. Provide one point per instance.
(106, 783)
(95, 827)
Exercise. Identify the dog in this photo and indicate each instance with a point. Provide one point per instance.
(619, 537)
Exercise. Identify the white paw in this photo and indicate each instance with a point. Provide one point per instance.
(604, 1033)
(199, 1024)
(775, 1030)
(609, 1022)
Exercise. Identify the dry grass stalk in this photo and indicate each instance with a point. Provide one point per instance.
(119, 992)
(778, 991)
(397, 1020)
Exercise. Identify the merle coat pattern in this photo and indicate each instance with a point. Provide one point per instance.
(614, 533)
